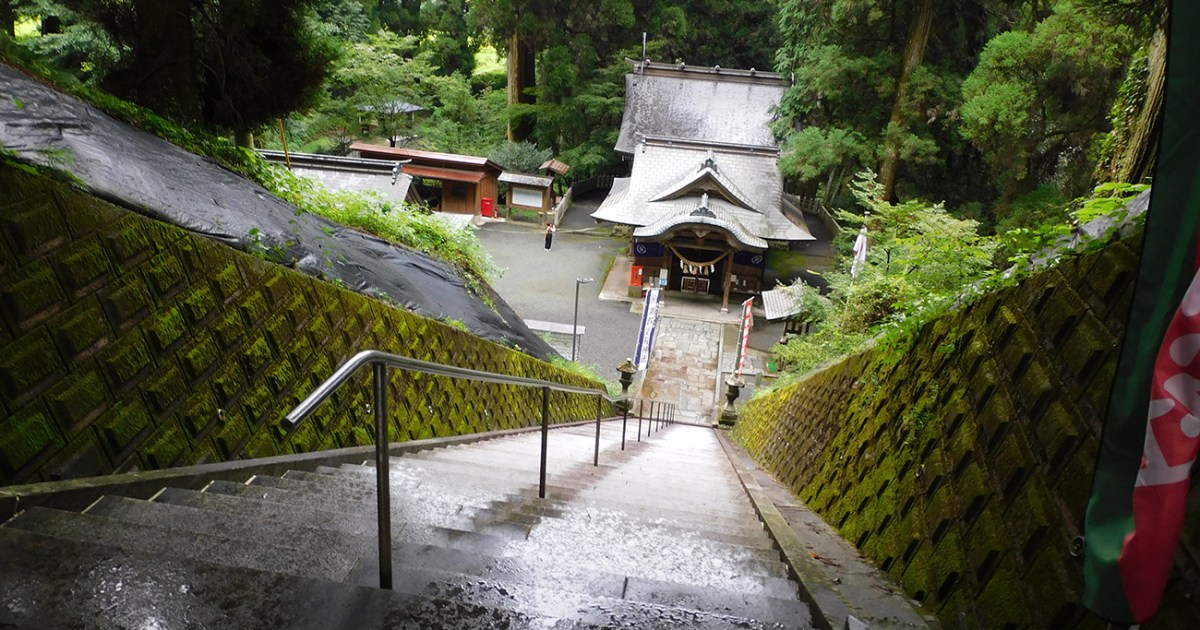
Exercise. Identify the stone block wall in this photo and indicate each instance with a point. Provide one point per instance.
(963, 466)
(129, 344)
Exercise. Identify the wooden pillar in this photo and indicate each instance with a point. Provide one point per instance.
(728, 281)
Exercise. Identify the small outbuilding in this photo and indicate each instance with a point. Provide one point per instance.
(466, 184)
(529, 192)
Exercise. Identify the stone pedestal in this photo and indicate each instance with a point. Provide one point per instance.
(733, 389)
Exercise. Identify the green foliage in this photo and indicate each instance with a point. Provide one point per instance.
(76, 45)
(1022, 245)
(918, 261)
(612, 387)
(1040, 96)
(366, 92)
(519, 157)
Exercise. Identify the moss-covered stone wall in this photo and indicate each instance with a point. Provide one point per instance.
(129, 344)
(963, 466)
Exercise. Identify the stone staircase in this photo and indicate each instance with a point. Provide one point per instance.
(660, 535)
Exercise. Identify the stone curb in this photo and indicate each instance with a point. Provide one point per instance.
(831, 609)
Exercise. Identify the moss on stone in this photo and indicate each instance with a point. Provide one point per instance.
(25, 435)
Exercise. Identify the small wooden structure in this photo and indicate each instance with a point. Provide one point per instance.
(468, 183)
(529, 192)
(782, 304)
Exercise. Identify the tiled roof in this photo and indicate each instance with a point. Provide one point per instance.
(554, 165)
(707, 177)
(659, 168)
(703, 211)
(780, 304)
(705, 104)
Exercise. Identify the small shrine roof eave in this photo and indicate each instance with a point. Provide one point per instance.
(702, 216)
(780, 304)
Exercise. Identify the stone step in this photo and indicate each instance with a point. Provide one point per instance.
(299, 498)
(49, 582)
(756, 539)
(652, 501)
(358, 523)
(412, 563)
(738, 528)
(610, 529)
(744, 532)
(526, 503)
(632, 462)
(617, 532)
(277, 557)
(513, 585)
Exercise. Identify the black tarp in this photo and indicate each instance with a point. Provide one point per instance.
(139, 171)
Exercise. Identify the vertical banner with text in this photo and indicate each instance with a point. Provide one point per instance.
(747, 322)
(646, 333)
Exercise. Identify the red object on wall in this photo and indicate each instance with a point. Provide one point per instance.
(635, 277)
(487, 207)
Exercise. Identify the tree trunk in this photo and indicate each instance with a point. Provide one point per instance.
(165, 62)
(914, 54)
(1135, 161)
(8, 17)
(521, 78)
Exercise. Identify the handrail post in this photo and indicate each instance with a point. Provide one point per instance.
(599, 410)
(640, 408)
(383, 476)
(545, 438)
(624, 421)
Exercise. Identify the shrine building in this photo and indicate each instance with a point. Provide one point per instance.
(704, 194)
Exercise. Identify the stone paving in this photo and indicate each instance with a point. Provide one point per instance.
(683, 367)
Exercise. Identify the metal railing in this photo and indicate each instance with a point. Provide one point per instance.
(380, 362)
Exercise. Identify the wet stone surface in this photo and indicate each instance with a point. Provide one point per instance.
(660, 535)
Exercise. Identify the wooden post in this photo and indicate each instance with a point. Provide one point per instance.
(728, 281)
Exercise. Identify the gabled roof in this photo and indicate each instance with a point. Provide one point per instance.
(703, 212)
(698, 103)
(706, 178)
(661, 166)
(552, 164)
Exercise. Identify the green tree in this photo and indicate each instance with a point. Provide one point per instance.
(67, 39)
(226, 64)
(448, 37)
(869, 76)
(373, 83)
(343, 20)
(1037, 104)
(519, 157)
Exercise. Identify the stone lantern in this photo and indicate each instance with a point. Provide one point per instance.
(627, 369)
(733, 389)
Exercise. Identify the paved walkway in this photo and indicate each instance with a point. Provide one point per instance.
(683, 367)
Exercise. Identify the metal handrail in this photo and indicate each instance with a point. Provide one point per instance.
(380, 362)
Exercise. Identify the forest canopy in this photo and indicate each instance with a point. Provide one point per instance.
(964, 134)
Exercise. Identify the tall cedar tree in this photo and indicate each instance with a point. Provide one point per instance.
(226, 64)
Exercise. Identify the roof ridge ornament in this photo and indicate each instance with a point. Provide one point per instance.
(710, 160)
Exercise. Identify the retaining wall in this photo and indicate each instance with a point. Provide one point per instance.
(129, 344)
(963, 466)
